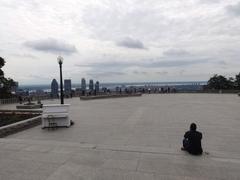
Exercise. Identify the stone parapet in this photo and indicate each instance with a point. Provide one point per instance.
(109, 96)
(19, 126)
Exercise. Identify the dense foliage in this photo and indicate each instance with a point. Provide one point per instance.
(6, 84)
(220, 82)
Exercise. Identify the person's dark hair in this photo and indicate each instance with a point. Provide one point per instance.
(193, 127)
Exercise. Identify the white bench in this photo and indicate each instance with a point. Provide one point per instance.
(55, 115)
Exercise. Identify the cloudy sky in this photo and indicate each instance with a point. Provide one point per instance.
(120, 41)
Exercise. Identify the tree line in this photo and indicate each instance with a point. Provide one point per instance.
(6, 84)
(220, 82)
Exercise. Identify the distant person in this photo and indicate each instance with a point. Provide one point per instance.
(168, 90)
(162, 90)
(192, 141)
(149, 90)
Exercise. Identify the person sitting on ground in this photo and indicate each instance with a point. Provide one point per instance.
(192, 141)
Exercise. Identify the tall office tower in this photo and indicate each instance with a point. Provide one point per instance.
(67, 87)
(91, 85)
(83, 84)
(97, 86)
(54, 88)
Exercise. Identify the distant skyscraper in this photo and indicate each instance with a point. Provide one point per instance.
(91, 85)
(97, 86)
(54, 88)
(67, 87)
(83, 84)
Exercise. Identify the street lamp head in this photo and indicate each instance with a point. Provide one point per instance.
(60, 59)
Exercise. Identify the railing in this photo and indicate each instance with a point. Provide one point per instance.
(24, 99)
(8, 101)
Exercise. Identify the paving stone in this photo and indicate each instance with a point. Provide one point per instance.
(130, 138)
(38, 148)
(15, 147)
(130, 165)
(118, 174)
(73, 171)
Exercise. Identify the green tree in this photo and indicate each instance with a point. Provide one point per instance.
(2, 62)
(237, 81)
(6, 84)
(231, 83)
(220, 82)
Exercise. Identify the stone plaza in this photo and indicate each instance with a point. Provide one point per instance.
(137, 138)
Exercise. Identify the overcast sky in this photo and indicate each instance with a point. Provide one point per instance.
(119, 41)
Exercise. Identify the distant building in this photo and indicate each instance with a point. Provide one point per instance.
(54, 88)
(83, 84)
(67, 87)
(40, 92)
(91, 85)
(97, 86)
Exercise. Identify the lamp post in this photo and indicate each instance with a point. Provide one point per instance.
(60, 62)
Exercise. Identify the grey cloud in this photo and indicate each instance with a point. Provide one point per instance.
(176, 52)
(140, 72)
(105, 74)
(176, 63)
(162, 72)
(234, 9)
(107, 65)
(40, 77)
(51, 45)
(147, 63)
(116, 19)
(170, 58)
(25, 56)
(177, 58)
(209, 1)
(181, 72)
(28, 4)
(130, 43)
(222, 62)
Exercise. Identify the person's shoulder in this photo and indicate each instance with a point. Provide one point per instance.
(198, 132)
(187, 133)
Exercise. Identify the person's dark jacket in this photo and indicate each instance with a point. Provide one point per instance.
(194, 142)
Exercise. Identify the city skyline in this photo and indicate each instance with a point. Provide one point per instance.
(127, 41)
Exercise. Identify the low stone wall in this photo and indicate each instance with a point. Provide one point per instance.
(19, 126)
(30, 106)
(20, 111)
(109, 96)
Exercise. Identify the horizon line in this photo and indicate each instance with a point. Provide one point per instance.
(125, 82)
